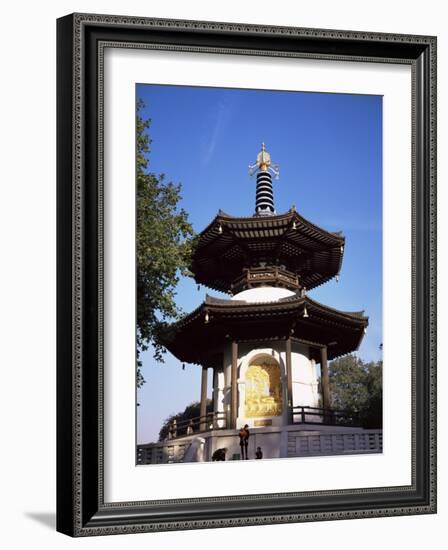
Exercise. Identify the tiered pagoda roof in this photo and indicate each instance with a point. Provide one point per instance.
(230, 245)
(199, 336)
(272, 250)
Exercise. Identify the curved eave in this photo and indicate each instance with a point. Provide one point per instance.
(312, 252)
(201, 336)
(264, 223)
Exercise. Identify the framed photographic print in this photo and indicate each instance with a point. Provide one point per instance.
(246, 274)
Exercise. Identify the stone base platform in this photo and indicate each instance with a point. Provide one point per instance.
(275, 442)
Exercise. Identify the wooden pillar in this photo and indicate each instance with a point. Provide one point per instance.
(289, 381)
(203, 423)
(326, 398)
(215, 393)
(233, 386)
(214, 390)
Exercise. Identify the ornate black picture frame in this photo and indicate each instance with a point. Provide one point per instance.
(81, 509)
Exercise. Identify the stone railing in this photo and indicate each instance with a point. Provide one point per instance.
(293, 441)
(321, 443)
(162, 453)
(198, 424)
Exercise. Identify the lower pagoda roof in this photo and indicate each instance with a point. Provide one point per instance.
(201, 336)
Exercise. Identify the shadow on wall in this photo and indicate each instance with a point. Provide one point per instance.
(48, 519)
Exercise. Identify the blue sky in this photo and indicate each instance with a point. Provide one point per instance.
(329, 149)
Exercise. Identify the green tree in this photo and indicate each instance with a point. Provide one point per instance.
(164, 239)
(357, 385)
(193, 410)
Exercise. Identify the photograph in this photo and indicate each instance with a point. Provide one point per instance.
(246, 236)
(259, 266)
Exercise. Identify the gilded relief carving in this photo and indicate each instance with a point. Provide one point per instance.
(263, 388)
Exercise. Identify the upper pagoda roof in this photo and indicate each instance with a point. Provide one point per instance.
(200, 336)
(229, 244)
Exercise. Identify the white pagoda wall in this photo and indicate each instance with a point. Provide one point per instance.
(304, 379)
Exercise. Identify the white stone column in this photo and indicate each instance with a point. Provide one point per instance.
(325, 377)
(234, 385)
(218, 394)
(203, 420)
(289, 398)
(227, 375)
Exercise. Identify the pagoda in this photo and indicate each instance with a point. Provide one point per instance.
(264, 344)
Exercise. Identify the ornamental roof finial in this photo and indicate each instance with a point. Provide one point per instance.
(264, 163)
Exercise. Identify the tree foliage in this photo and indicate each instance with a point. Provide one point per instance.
(357, 385)
(163, 247)
(193, 410)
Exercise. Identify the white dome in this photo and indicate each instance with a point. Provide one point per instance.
(263, 294)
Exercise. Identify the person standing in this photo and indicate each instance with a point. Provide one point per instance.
(244, 435)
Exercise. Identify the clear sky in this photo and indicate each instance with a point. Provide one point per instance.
(329, 149)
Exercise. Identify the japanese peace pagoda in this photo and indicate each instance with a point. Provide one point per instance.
(268, 345)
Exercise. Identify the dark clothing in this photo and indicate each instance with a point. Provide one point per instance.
(219, 454)
(259, 454)
(244, 442)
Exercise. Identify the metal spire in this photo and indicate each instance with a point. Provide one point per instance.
(264, 203)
